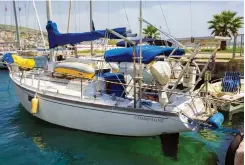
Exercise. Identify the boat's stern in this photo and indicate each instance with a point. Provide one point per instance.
(195, 115)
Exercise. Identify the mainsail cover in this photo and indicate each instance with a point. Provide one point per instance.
(56, 38)
(149, 53)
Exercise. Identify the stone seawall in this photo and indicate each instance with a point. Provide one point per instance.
(236, 65)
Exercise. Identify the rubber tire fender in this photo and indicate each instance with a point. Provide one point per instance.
(231, 152)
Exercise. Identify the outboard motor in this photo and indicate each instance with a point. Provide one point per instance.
(161, 71)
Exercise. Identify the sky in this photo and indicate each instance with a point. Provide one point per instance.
(183, 18)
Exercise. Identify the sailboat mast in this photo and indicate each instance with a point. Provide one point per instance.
(91, 27)
(68, 28)
(69, 17)
(16, 25)
(140, 57)
(49, 18)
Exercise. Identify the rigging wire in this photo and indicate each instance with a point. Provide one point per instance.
(5, 14)
(87, 9)
(164, 16)
(60, 20)
(191, 18)
(11, 15)
(39, 25)
(79, 16)
(27, 24)
(25, 15)
(125, 10)
(75, 16)
(108, 14)
(19, 9)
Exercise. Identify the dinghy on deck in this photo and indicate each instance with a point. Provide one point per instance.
(97, 63)
(75, 69)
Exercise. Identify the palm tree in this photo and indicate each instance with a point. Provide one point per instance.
(151, 32)
(112, 42)
(225, 24)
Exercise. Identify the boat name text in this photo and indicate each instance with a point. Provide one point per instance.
(149, 118)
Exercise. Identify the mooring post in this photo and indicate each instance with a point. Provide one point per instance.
(241, 44)
(235, 151)
(234, 46)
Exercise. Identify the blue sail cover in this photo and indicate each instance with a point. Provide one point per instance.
(149, 53)
(56, 38)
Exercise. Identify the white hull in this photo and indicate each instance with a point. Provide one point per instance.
(99, 118)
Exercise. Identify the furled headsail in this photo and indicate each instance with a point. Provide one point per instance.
(56, 38)
(149, 53)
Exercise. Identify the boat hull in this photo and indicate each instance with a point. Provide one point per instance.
(99, 119)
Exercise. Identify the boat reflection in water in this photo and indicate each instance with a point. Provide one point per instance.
(51, 143)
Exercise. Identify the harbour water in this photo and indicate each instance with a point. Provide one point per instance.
(27, 140)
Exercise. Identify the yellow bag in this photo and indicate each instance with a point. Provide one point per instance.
(24, 63)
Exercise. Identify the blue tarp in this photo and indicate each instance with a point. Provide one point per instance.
(56, 38)
(116, 89)
(7, 57)
(148, 53)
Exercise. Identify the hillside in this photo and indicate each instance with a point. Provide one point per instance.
(11, 28)
(28, 37)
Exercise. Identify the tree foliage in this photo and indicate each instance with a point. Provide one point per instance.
(226, 24)
(112, 42)
(151, 32)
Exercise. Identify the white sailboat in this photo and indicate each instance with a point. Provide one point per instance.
(104, 104)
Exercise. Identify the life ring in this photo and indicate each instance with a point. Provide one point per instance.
(231, 152)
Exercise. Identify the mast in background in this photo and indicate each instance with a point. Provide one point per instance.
(69, 17)
(140, 57)
(16, 25)
(68, 28)
(49, 18)
(91, 27)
